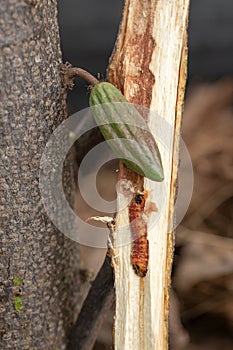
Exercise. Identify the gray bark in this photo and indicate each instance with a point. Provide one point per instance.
(39, 265)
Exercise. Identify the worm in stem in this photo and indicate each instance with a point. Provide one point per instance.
(138, 226)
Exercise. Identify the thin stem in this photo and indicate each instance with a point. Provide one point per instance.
(99, 299)
(71, 72)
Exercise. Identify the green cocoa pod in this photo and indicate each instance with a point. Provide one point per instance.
(126, 131)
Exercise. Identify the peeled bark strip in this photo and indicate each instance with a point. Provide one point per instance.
(149, 67)
(39, 265)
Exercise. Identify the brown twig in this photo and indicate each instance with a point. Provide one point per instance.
(98, 301)
(69, 73)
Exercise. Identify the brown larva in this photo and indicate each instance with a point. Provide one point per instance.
(138, 226)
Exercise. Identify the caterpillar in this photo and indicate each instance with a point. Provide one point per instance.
(138, 226)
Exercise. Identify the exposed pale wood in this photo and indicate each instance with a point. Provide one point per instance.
(149, 66)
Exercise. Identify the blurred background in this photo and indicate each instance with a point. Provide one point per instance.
(201, 314)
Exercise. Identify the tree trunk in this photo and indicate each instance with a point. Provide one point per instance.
(149, 67)
(39, 265)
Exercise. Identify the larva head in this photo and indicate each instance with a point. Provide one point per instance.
(141, 197)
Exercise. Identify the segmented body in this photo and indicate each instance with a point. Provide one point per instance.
(138, 226)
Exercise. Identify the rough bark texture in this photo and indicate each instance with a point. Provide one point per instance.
(149, 67)
(39, 266)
